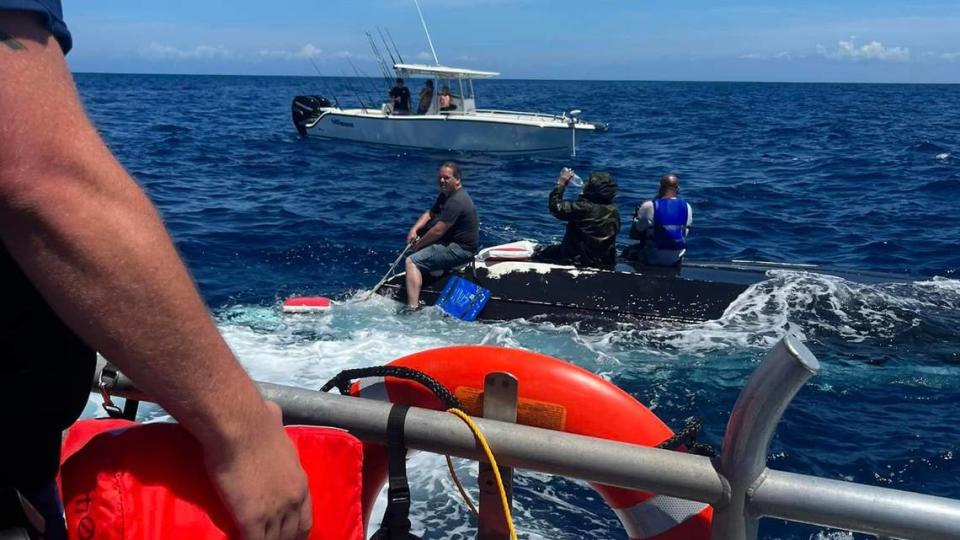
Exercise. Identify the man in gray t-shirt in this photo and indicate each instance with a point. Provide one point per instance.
(450, 233)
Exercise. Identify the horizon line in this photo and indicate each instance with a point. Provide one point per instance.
(523, 79)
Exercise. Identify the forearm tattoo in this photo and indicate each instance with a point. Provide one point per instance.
(9, 41)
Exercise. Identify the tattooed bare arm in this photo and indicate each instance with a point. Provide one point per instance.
(90, 240)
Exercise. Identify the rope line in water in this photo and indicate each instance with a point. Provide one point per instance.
(460, 488)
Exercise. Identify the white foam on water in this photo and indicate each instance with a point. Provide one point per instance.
(808, 304)
(942, 291)
(833, 535)
(307, 350)
(943, 156)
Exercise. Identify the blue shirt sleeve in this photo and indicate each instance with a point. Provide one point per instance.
(51, 12)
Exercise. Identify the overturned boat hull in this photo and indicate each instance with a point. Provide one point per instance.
(697, 291)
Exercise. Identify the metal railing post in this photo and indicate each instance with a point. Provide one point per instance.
(752, 423)
(499, 403)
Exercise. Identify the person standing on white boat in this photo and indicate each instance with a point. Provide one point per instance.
(426, 97)
(86, 265)
(445, 236)
(400, 95)
(661, 226)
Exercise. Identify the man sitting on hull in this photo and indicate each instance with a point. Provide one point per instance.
(661, 226)
(593, 221)
(450, 233)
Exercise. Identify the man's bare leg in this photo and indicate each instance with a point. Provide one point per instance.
(414, 282)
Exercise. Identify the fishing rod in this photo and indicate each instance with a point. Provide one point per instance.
(319, 304)
(363, 76)
(387, 47)
(380, 61)
(376, 53)
(395, 47)
(324, 88)
(355, 94)
(389, 272)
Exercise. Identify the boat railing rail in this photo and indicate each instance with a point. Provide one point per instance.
(522, 114)
(738, 484)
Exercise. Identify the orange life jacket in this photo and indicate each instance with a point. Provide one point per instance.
(121, 481)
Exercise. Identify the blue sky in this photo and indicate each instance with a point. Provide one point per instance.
(816, 41)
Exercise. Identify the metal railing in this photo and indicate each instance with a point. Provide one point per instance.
(738, 484)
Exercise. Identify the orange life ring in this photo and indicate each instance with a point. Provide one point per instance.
(552, 394)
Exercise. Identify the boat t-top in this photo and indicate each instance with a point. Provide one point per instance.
(458, 126)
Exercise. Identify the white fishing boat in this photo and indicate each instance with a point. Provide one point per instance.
(457, 126)
(464, 128)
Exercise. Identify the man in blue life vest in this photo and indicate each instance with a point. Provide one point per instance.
(86, 265)
(661, 226)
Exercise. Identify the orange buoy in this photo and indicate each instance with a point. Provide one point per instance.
(553, 394)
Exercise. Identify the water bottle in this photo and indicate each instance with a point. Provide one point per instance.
(575, 180)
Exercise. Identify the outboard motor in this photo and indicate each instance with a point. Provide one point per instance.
(306, 109)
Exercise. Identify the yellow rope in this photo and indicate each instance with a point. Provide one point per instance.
(493, 463)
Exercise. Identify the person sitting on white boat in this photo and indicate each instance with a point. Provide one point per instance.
(593, 221)
(445, 236)
(426, 97)
(446, 99)
(400, 95)
(661, 226)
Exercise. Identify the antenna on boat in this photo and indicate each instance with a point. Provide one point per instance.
(427, 32)
(395, 47)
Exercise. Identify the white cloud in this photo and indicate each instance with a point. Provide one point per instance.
(156, 51)
(874, 50)
(424, 55)
(762, 56)
(308, 51)
(941, 56)
(166, 52)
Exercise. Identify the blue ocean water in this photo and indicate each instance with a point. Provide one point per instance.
(852, 176)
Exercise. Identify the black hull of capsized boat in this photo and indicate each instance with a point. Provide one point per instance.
(628, 294)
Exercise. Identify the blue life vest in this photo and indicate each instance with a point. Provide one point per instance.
(670, 224)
